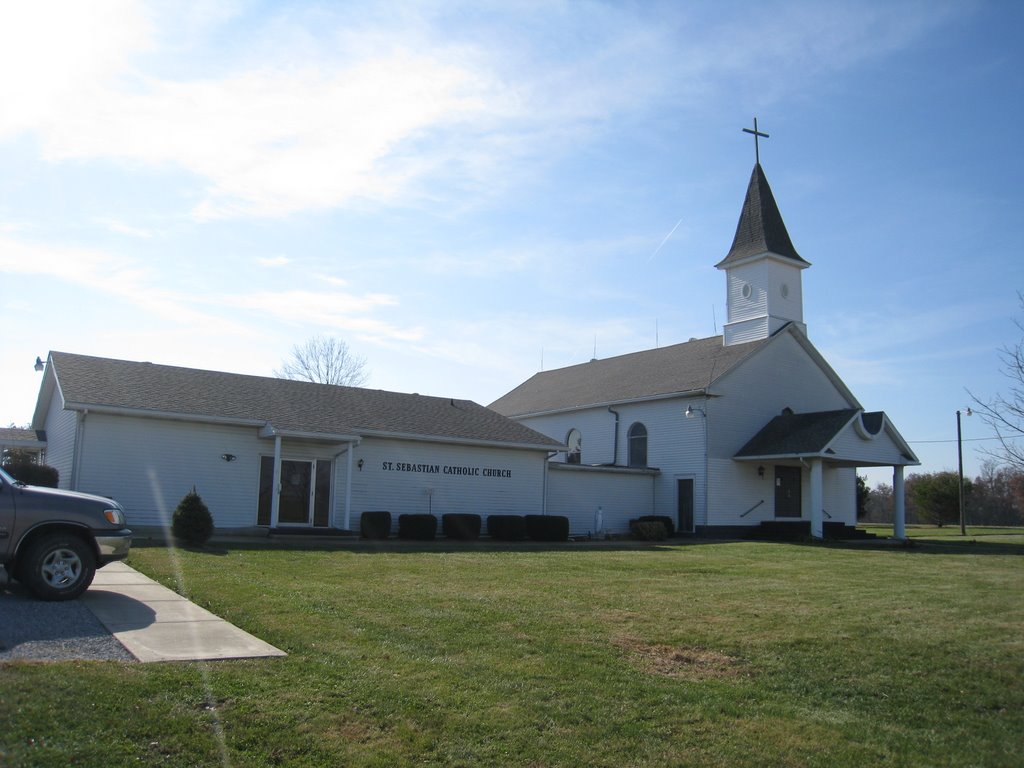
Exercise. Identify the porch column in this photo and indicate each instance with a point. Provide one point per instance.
(817, 500)
(275, 494)
(899, 511)
(348, 487)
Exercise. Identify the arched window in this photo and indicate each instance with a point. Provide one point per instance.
(575, 443)
(638, 445)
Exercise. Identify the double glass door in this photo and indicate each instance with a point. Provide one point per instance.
(305, 492)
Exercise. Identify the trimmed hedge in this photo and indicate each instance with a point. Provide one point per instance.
(506, 527)
(665, 520)
(648, 530)
(547, 527)
(417, 527)
(31, 473)
(461, 526)
(375, 525)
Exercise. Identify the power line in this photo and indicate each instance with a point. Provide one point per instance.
(953, 440)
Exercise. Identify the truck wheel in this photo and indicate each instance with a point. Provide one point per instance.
(60, 566)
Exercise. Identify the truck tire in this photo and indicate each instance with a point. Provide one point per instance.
(59, 566)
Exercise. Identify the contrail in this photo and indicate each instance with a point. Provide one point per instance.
(665, 240)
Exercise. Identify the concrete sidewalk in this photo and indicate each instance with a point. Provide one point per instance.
(156, 624)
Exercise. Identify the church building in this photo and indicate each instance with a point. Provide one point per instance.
(750, 428)
(724, 435)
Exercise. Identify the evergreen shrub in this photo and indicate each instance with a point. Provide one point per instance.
(547, 527)
(665, 520)
(417, 527)
(192, 522)
(461, 526)
(648, 530)
(31, 473)
(506, 527)
(375, 525)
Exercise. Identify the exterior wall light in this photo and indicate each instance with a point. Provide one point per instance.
(360, 465)
(228, 456)
(760, 471)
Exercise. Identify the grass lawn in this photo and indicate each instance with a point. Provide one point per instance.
(705, 654)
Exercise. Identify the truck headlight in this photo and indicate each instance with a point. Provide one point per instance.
(114, 517)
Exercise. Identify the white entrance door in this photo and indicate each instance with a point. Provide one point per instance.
(305, 492)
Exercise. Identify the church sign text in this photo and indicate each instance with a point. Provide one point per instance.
(445, 469)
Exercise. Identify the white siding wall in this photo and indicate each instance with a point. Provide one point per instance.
(675, 444)
(781, 375)
(596, 426)
(877, 450)
(150, 464)
(790, 307)
(840, 487)
(577, 492)
(746, 330)
(766, 310)
(60, 438)
(756, 276)
(383, 483)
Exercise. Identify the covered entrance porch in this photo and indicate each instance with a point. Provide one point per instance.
(297, 481)
(806, 445)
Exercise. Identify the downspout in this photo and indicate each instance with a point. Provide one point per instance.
(76, 460)
(707, 467)
(348, 489)
(544, 483)
(275, 497)
(615, 445)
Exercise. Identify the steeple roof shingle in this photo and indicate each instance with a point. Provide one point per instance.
(760, 228)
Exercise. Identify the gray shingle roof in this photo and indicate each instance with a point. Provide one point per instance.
(688, 367)
(11, 435)
(289, 406)
(797, 434)
(760, 228)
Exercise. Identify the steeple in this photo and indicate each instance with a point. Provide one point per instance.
(762, 269)
(760, 229)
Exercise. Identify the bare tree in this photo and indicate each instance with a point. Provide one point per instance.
(324, 360)
(1005, 412)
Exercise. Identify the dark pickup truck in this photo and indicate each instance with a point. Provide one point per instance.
(53, 541)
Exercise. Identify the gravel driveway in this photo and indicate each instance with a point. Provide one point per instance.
(33, 630)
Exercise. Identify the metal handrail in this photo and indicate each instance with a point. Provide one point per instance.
(753, 508)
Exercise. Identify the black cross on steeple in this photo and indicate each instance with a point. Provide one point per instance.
(757, 133)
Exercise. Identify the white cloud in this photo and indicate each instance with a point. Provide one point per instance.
(56, 56)
(109, 274)
(270, 143)
(274, 261)
(124, 229)
(334, 310)
(313, 108)
(99, 270)
(336, 281)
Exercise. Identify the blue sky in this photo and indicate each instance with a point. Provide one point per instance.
(467, 192)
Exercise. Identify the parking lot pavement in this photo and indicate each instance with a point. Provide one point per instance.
(123, 616)
(32, 630)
